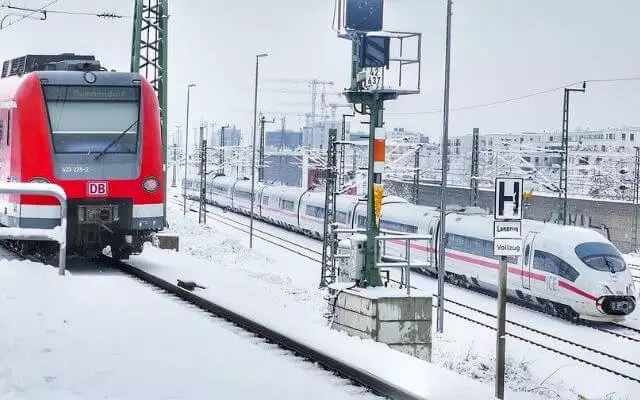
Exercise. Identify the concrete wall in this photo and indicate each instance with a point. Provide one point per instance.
(614, 217)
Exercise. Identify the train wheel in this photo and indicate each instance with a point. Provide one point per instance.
(550, 308)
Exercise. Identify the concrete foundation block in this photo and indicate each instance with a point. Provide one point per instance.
(354, 319)
(404, 331)
(169, 242)
(384, 315)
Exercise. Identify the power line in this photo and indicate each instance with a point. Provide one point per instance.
(105, 14)
(41, 9)
(512, 99)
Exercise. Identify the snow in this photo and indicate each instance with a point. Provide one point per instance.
(280, 290)
(289, 283)
(93, 335)
(56, 234)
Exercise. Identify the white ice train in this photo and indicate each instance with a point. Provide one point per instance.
(569, 271)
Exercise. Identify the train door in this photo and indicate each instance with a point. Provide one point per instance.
(526, 261)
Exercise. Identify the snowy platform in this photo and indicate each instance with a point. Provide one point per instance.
(385, 315)
(106, 336)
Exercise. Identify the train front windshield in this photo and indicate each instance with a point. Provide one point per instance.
(601, 256)
(93, 119)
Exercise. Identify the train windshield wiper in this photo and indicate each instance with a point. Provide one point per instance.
(610, 265)
(116, 140)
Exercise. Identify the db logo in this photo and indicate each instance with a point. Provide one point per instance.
(98, 189)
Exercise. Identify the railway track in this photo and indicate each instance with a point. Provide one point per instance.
(617, 330)
(355, 375)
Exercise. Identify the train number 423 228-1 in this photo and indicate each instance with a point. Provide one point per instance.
(75, 169)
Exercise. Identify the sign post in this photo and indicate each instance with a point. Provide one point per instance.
(507, 242)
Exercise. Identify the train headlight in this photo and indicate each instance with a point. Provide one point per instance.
(151, 184)
(39, 180)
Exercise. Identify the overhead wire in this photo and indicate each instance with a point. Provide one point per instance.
(512, 99)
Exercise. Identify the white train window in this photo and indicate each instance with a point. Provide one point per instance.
(316, 212)
(287, 205)
(341, 217)
(552, 264)
(395, 226)
(240, 194)
(265, 200)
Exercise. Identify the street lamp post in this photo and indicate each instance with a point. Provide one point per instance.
(253, 150)
(186, 151)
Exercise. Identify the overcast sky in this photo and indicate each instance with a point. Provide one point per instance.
(501, 49)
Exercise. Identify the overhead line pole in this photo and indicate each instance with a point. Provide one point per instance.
(253, 149)
(443, 185)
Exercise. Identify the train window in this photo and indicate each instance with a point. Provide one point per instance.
(362, 221)
(265, 200)
(341, 217)
(1, 130)
(601, 256)
(552, 264)
(240, 194)
(288, 205)
(527, 250)
(316, 212)
(398, 227)
(90, 119)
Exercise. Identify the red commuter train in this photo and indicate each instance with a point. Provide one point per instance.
(64, 119)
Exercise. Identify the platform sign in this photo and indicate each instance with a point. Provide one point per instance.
(508, 199)
(510, 247)
(507, 229)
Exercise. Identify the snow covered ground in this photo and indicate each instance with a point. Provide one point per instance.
(282, 283)
(96, 335)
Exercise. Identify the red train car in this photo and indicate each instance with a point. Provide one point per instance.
(64, 119)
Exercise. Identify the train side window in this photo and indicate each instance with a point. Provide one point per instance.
(341, 217)
(1, 130)
(362, 221)
(287, 205)
(554, 265)
(527, 250)
(265, 200)
(316, 212)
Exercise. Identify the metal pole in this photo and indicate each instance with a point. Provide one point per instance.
(500, 335)
(175, 162)
(635, 200)
(222, 144)
(564, 157)
(474, 166)
(261, 149)
(445, 162)
(186, 152)
(203, 177)
(416, 175)
(371, 275)
(253, 151)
